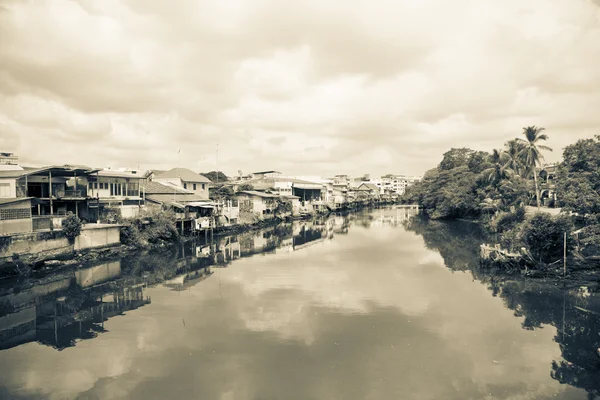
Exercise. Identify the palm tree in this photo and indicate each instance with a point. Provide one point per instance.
(532, 153)
(514, 157)
(499, 169)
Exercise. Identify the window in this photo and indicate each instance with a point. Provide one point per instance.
(185, 185)
(5, 190)
(194, 186)
(203, 186)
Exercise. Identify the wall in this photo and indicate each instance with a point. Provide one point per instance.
(13, 186)
(55, 242)
(33, 243)
(97, 235)
(13, 226)
(129, 211)
(98, 274)
(199, 191)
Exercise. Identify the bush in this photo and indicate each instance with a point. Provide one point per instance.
(509, 220)
(71, 226)
(543, 235)
(590, 240)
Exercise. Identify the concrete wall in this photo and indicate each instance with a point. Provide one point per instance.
(13, 186)
(98, 274)
(129, 211)
(36, 242)
(13, 226)
(97, 235)
(92, 235)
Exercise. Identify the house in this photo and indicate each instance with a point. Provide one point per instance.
(8, 158)
(256, 205)
(119, 189)
(56, 190)
(186, 179)
(193, 212)
(370, 189)
(265, 174)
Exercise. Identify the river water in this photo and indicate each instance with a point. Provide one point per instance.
(364, 306)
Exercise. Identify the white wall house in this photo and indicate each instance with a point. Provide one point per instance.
(186, 179)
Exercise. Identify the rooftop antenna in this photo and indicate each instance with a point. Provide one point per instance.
(217, 163)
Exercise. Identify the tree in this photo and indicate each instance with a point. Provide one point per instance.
(245, 186)
(514, 153)
(455, 158)
(532, 153)
(499, 169)
(221, 192)
(71, 226)
(578, 177)
(544, 236)
(215, 176)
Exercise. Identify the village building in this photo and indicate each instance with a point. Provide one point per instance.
(186, 179)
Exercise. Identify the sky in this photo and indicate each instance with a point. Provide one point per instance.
(316, 87)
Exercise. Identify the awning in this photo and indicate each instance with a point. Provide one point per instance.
(176, 205)
(307, 186)
(201, 204)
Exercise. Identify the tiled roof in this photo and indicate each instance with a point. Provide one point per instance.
(184, 174)
(152, 187)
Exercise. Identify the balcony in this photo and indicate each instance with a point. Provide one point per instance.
(61, 193)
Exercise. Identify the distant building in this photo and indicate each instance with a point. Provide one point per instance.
(265, 174)
(186, 179)
(8, 159)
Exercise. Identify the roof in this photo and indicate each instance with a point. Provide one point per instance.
(14, 200)
(370, 186)
(184, 174)
(151, 187)
(123, 174)
(265, 172)
(258, 194)
(57, 170)
(169, 198)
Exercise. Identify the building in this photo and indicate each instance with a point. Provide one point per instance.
(119, 189)
(186, 179)
(8, 159)
(256, 205)
(15, 216)
(265, 174)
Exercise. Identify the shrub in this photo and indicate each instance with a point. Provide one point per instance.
(71, 226)
(590, 240)
(543, 235)
(509, 220)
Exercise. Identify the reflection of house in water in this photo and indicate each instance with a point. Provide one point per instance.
(189, 279)
(393, 217)
(62, 312)
(308, 234)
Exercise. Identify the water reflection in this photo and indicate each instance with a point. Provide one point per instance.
(573, 310)
(348, 306)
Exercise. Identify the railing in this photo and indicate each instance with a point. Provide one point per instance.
(70, 193)
(41, 223)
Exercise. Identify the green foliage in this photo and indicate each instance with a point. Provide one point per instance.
(152, 228)
(589, 239)
(507, 220)
(245, 186)
(578, 178)
(215, 176)
(283, 207)
(71, 226)
(221, 192)
(543, 235)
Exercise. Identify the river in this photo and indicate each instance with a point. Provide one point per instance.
(372, 305)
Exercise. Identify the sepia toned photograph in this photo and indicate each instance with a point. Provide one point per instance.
(299, 200)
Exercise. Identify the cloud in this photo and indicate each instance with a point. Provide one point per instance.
(391, 78)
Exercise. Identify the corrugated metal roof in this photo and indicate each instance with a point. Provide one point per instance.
(15, 200)
(258, 194)
(167, 198)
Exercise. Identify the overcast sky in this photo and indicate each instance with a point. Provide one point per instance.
(303, 87)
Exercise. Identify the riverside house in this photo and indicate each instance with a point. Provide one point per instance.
(119, 189)
(256, 205)
(50, 193)
(185, 179)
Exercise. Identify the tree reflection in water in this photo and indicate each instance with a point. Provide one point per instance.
(573, 311)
